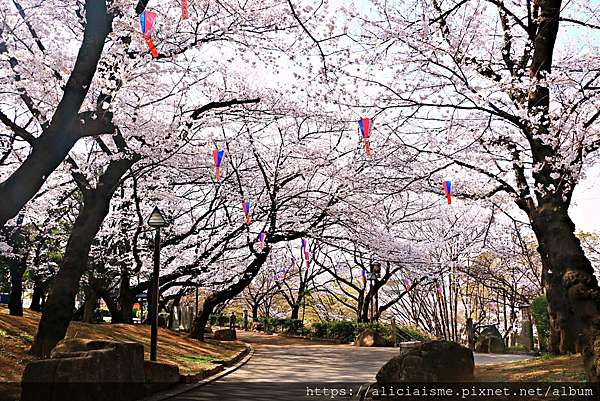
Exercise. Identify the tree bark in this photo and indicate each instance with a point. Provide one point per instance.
(126, 299)
(36, 297)
(17, 269)
(295, 311)
(90, 304)
(58, 311)
(230, 292)
(571, 286)
(65, 128)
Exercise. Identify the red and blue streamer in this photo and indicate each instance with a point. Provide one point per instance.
(448, 190)
(306, 252)
(364, 125)
(147, 18)
(218, 155)
(246, 206)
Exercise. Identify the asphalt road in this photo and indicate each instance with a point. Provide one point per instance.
(283, 369)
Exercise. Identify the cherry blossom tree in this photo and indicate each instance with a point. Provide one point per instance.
(494, 94)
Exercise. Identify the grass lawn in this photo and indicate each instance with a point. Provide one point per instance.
(192, 356)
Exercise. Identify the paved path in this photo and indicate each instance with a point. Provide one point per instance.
(283, 365)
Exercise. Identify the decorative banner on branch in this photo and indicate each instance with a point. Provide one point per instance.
(184, 9)
(218, 155)
(363, 277)
(262, 237)
(407, 283)
(246, 206)
(439, 292)
(306, 252)
(147, 18)
(448, 190)
(364, 125)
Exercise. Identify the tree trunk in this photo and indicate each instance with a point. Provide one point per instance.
(36, 297)
(65, 128)
(58, 312)
(17, 269)
(90, 304)
(228, 293)
(126, 299)
(255, 312)
(295, 311)
(571, 287)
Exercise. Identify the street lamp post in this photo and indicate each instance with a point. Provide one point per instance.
(156, 220)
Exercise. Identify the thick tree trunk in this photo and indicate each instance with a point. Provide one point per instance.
(572, 289)
(126, 299)
(36, 297)
(255, 312)
(58, 311)
(295, 311)
(53, 145)
(17, 269)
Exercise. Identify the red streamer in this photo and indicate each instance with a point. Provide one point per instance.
(151, 46)
(184, 9)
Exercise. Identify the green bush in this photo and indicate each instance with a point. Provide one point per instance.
(416, 333)
(341, 330)
(346, 330)
(283, 325)
(539, 313)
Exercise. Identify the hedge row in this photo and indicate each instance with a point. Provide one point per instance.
(347, 330)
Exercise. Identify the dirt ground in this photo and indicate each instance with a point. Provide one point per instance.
(192, 356)
(567, 368)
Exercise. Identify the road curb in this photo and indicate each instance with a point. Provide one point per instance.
(184, 388)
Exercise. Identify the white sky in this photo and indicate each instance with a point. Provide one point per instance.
(584, 210)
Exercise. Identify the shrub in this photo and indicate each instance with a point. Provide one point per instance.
(341, 330)
(539, 313)
(347, 331)
(416, 333)
(283, 325)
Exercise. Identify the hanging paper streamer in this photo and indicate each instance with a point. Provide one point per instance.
(262, 237)
(306, 253)
(147, 21)
(364, 125)
(246, 206)
(407, 283)
(184, 9)
(448, 190)
(363, 276)
(439, 292)
(218, 155)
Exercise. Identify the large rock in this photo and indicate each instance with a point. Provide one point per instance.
(87, 370)
(160, 376)
(432, 361)
(370, 338)
(490, 341)
(225, 335)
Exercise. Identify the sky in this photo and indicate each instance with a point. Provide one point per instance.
(584, 209)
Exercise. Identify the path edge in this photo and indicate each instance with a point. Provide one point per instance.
(184, 388)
